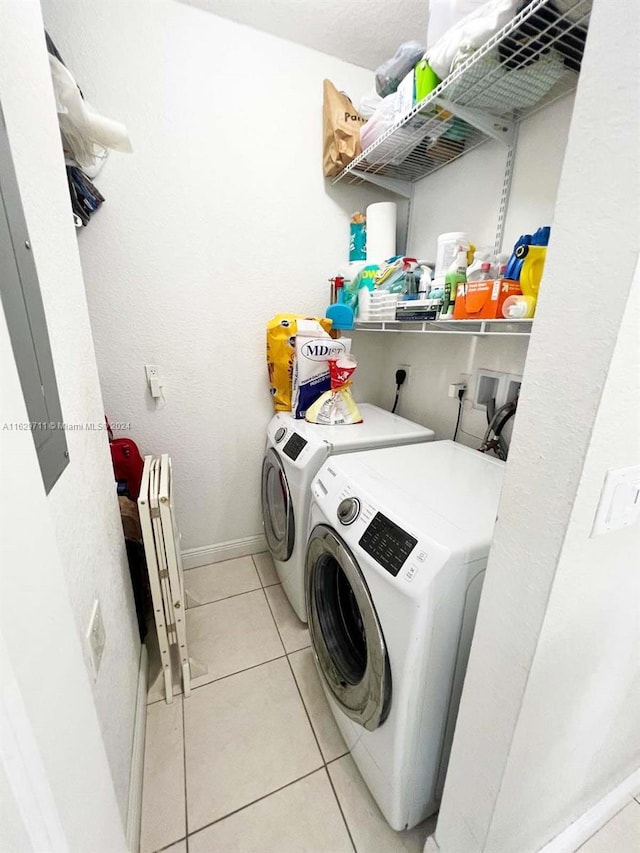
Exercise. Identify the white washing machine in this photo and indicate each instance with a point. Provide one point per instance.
(398, 545)
(294, 453)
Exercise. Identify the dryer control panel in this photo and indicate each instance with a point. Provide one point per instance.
(387, 543)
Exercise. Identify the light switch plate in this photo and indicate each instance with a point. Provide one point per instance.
(619, 504)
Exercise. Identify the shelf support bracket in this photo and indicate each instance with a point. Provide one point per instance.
(497, 128)
(394, 185)
(505, 194)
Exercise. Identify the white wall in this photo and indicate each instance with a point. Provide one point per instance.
(465, 197)
(46, 701)
(82, 505)
(548, 720)
(220, 219)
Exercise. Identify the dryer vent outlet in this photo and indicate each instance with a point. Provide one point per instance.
(486, 388)
(513, 390)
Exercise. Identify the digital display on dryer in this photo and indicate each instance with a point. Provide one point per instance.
(294, 447)
(387, 543)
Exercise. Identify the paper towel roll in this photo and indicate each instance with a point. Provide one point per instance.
(381, 231)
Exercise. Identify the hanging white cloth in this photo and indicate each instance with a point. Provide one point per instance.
(86, 133)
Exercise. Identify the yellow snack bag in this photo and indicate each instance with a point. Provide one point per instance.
(281, 351)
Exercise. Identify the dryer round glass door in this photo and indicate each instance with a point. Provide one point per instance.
(277, 509)
(345, 632)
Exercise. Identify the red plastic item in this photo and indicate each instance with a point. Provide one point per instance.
(127, 462)
(340, 376)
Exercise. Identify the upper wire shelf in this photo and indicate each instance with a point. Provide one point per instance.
(532, 62)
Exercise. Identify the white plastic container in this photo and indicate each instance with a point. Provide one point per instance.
(364, 304)
(446, 251)
(383, 305)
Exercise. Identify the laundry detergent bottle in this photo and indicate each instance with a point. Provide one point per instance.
(456, 274)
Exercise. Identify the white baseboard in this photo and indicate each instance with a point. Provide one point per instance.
(570, 839)
(592, 820)
(194, 557)
(134, 812)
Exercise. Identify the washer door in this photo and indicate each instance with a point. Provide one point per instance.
(345, 632)
(277, 508)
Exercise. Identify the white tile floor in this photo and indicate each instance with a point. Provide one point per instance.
(253, 761)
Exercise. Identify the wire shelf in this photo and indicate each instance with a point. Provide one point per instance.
(532, 62)
(478, 328)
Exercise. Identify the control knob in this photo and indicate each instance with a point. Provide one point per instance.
(348, 510)
(280, 434)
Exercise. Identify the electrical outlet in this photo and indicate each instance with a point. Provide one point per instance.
(153, 380)
(407, 369)
(96, 638)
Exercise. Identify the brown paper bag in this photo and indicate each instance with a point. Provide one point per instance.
(341, 130)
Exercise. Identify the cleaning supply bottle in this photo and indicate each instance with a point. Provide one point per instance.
(424, 283)
(500, 266)
(485, 272)
(480, 256)
(456, 274)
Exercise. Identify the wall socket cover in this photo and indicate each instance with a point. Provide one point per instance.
(96, 638)
(407, 368)
(619, 504)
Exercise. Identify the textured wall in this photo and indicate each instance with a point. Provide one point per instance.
(551, 691)
(220, 219)
(82, 504)
(55, 557)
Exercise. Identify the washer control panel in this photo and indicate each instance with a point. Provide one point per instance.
(348, 510)
(280, 434)
(387, 543)
(294, 447)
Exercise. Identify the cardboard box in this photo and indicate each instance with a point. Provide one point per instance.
(482, 300)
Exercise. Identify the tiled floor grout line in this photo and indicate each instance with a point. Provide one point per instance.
(266, 598)
(313, 731)
(220, 678)
(264, 586)
(325, 764)
(258, 800)
(167, 846)
(233, 594)
(335, 794)
(306, 710)
(223, 598)
(186, 795)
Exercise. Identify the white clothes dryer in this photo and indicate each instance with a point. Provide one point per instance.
(398, 545)
(294, 453)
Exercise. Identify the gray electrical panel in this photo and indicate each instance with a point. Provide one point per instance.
(27, 325)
